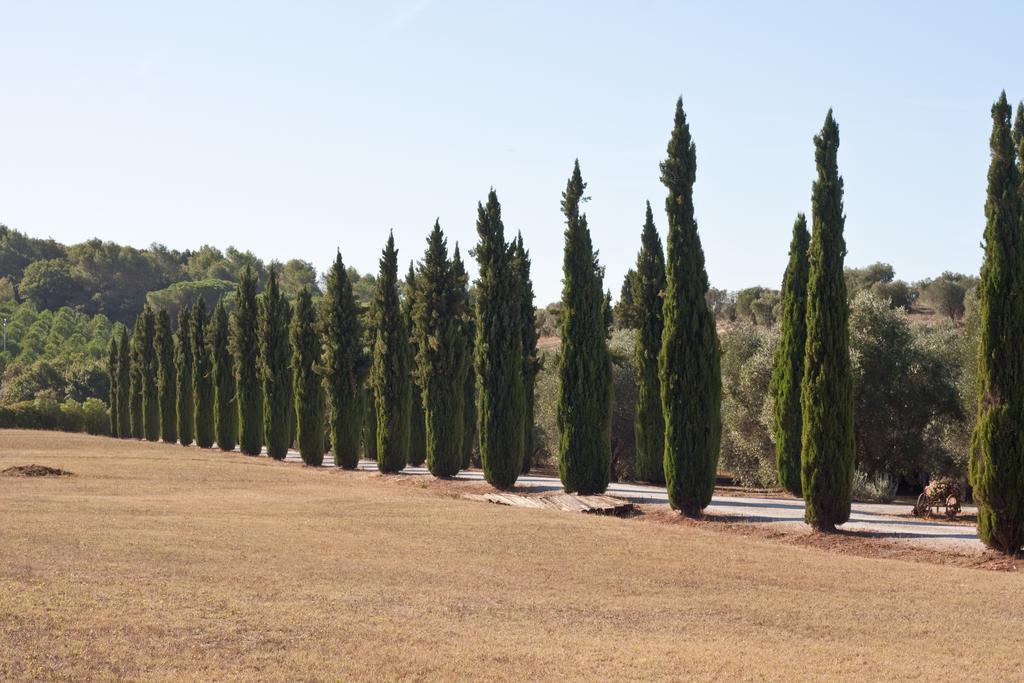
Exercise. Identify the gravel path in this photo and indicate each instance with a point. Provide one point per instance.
(890, 522)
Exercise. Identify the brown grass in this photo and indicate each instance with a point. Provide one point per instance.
(159, 562)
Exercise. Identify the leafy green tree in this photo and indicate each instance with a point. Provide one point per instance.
(50, 284)
(997, 450)
(148, 367)
(417, 420)
(585, 370)
(275, 368)
(498, 351)
(309, 402)
(124, 379)
(528, 326)
(225, 410)
(294, 275)
(202, 377)
(789, 361)
(185, 409)
(136, 383)
(390, 373)
(467, 326)
(691, 385)
(166, 378)
(648, 285)
(826, 392)
(342, 359)
(112, 371)
(441, 352)
(245, 348)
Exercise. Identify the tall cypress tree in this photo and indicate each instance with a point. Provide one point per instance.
(136, 383)
(183, 362)
(124, 378)
(417, 425)
(225, 411)
(166, 378)
(528, 330)
(498, 351)
(390, 373)
(148, 367)
(441, 351)
(309, 402)
(585, 367)
(112, 374)
(341, 365)
(789, 361)
(997, 448)
(688, 365)
(467, 326)
(245, 347)
(646, 288)
(202, 378)
(826, 392)
(275, 368)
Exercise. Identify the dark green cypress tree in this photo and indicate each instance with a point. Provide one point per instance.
(585, 367)
(148, 367)
(245, 348)
(528, 329)
(440, 355)
(826, 392)
(112, 375)
(997, 448)
(368, 406)
(225, 411)
(789, 361)
(202, 377)
(138, 370)
(417, 425)
(275, 368)
(341, 365)
(467, 324)
(688, 365)
(185, 409)
(390, 373)
(647, 287)
(124, 379)
(307, 389)
(498, 351)
(166, 378)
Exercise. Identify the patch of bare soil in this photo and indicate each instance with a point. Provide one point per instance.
(34, 471)
(860, 544)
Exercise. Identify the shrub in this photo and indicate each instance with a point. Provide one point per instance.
(878, 488)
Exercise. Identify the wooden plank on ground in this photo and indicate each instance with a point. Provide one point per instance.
(565, 502)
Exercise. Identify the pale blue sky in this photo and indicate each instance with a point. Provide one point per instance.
(290, 128)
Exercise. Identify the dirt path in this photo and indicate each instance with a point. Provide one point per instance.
(869, 520)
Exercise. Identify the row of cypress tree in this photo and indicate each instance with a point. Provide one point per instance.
(241, 379)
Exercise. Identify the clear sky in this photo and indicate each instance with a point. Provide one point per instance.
(293, 128)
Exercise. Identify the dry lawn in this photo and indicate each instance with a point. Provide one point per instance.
(158, 562)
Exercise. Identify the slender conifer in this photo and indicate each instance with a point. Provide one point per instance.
(826, 392)
(997, 449)
(390, 373)
(789, 361)
(245, 349)
(307, 387)
(275, 368)
(647, 288)
(202, 377)
(185, 409)
(341, 365)
(691, 385)
(225, 412)
(585, 367)
(166, 378)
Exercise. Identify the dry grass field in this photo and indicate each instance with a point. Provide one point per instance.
(163, 563)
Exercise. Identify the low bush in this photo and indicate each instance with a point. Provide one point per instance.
(45, 412)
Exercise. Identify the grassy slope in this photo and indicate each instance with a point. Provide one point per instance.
(162, 562)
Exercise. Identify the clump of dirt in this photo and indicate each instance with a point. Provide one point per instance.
(34, 471)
